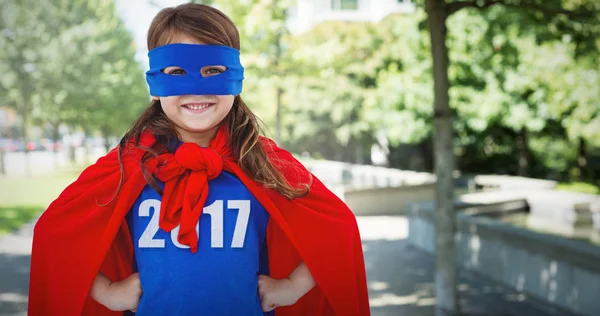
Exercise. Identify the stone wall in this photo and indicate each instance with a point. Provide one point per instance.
(555, 269)
(387, 201)
(371, 190)
(355, 177)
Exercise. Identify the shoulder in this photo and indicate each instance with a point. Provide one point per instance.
(268, 144)
(133, 149)
(126, 158)
(292, 169)
(274, 152)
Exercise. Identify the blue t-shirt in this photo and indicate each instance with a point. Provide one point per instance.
(221, 278)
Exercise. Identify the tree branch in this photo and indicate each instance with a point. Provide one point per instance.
(482, 4)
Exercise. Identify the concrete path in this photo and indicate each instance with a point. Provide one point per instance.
(401, 280)
(15, 254)
(400, 277)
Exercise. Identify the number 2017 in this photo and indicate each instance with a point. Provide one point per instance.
(215, 211)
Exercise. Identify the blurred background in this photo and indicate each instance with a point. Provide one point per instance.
(348, 87)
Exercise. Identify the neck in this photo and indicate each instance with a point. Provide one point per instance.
(201, 138)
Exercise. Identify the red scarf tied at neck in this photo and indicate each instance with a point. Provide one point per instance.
(186, 175)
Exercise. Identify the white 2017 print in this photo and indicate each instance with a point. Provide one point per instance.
(215, 211)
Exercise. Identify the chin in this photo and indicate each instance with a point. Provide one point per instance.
(198, 129)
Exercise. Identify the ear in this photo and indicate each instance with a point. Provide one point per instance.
(155, 98)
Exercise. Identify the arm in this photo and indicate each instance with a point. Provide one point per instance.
(284, 292)
(100, 287)
(117, 296)
(302, 280)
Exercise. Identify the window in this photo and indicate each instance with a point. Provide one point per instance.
(344, 4)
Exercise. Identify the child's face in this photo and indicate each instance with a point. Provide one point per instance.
(195, 116)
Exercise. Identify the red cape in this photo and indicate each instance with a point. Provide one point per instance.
(75, 238)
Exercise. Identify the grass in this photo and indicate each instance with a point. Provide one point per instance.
(22, 199)
(13, 217)
(579, 187)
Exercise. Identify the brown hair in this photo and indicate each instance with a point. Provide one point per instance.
(210, 26)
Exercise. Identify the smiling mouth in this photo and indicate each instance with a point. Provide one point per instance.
(197, 106)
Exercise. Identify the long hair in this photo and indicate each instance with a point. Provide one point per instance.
(210, 26)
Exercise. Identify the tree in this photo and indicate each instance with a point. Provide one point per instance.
(328, 88)
(265, 32)
(67, 61)
(576, 17)
(19, 57)
(118, 91)
(67, 80)
(574, 102)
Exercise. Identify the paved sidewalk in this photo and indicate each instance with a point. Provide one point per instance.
(400, 277)
(15, 254)
(401, 280)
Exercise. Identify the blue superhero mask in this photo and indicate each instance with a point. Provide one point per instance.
(192, 58)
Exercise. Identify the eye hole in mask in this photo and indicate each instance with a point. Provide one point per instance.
(206, 71)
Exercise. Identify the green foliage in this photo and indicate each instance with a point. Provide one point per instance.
(553, 153)
(264, 42)
(12, 217)
(401, 104)
(579, 187)
(523, 75)
(520, 67)
(71, 62)
(25, 198)
(346, 82)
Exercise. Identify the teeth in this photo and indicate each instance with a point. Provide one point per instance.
(197, 107)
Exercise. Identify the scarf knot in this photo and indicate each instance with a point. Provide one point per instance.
(186, 174)
(196, 158)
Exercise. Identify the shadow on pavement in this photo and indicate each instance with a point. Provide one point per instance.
(400, 280)
(14, 287)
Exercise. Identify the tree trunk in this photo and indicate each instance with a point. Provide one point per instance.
(87, 145)
(425, 148)
(87, 148)
(445, 219)
(277, 67)
(106, 137)
(523, 146)
(582, 162)
(2, 162)
(72, 153)
(25, 134)
(358, 152)
(278, 116)
(55, 152)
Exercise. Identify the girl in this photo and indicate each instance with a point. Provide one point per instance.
(194, 212)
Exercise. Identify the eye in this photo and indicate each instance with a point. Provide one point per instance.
(175, 71)
(212, 70)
